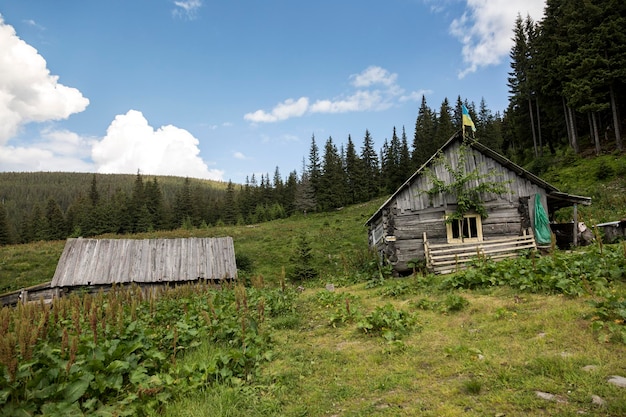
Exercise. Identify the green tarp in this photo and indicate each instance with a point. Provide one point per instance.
(542, 224)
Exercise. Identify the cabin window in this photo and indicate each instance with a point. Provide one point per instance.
(468, 230)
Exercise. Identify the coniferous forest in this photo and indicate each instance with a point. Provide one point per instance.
(567, 93)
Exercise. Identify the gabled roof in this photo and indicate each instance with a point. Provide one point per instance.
(556, 198)
(123, 261)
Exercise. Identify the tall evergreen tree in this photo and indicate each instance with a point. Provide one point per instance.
(305, 195)
(54, 223)
(424, 137)
(405, 164)
(445, 126)
(5, 235)
(333, 185)
(314, 168)
(371, 168)
(154, 204)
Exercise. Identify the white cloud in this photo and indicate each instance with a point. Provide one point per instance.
(373, 75)
(44, 158)
(360, 101)
(239, 155)
(486, 29)
(377, 90)
(131, 144)
(283, 111)
(28, 92)
(187, 8)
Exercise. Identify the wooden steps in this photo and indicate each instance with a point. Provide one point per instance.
(444, 258)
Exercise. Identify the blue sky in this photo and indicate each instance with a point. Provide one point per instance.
(226, 89)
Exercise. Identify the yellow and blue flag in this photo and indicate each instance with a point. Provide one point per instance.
(467, 120)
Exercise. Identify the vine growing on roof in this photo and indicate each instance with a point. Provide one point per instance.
(467, 187)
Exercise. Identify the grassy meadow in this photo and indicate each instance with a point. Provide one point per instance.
(538, 336)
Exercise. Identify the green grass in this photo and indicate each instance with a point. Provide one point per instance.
(470, 353)
(22, 266)
(489, 358)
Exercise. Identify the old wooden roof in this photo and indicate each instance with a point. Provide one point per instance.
(118, 261)
(556, 199)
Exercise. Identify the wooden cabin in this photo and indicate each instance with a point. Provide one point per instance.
(93, 264)
(104, 262)
(411, 226)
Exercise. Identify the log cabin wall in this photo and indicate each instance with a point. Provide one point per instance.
(411, 212)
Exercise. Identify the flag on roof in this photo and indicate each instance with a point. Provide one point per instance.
(467, 120)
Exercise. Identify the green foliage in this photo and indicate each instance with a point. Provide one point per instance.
(468, 197)
(117, 353)
(343, 306)
(397, 288)
(244, 262)
(302, 260)
(388, 323)
(583, 271)
(609, 318)
(455, 302)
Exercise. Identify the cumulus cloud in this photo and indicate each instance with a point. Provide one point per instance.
(376, 89)
(54, 150)
(486, 29)
(283, 111)
(28, 92)
(131, 144)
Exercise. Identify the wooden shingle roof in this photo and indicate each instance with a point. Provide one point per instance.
(556, 198)
(121, 261)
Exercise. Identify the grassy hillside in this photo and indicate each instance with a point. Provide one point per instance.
(422, 345)
(602, 178)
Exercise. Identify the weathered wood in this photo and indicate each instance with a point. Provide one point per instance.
(441, 257)
(410, 211)
(117, 261)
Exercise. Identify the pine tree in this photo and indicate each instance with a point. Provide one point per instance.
(445, 126)
(302, 260)
(230, 208)
(371, 168)
(405, 164)
(54, 223)
(154, 204)
(354, 174)
(314, 169)
(5, 235)
(333, 187)
(305, 195)
(183, 210)
(424, 136)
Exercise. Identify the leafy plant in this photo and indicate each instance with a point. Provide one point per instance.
(609, 318)
(387, 322)
(466, 187)
(455, 302)
(117, 353)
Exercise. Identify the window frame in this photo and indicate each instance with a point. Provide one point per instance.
(457, 223)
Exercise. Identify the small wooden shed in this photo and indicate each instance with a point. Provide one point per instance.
(104, 262)
(411, 225)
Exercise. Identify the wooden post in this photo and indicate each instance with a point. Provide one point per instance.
(575, 235)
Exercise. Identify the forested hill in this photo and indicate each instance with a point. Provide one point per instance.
(68, 201)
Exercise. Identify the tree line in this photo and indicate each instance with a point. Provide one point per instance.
(567, 81)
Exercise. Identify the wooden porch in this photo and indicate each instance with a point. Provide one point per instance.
(444, 258)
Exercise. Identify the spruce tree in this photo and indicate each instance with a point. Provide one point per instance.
(371, 168)
(54, 223)
(5, 235)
